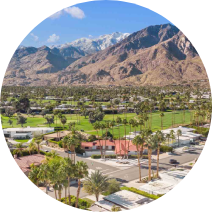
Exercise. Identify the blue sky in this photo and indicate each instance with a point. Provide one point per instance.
(91, 19)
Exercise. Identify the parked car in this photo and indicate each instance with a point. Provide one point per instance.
(46, 150)
(172, 161)
(67, 151)
(191, 149)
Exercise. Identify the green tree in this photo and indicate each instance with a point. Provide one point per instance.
(63, 120)
(10, 122)
(161, 116)
(96, 184)
(21, 120)
(113, 186)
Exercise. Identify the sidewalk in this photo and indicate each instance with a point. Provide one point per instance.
(133, 183)
(119, 163)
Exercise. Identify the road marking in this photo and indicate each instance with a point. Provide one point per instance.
(98, 168)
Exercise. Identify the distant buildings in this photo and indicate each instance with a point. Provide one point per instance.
(26, 132)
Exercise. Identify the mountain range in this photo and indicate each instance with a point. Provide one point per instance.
(157, 55)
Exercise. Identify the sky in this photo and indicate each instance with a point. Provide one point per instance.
(90, 20)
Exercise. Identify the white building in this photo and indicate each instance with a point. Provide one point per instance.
(187, 135)
(26, 132)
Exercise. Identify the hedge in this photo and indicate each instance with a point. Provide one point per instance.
(166, 149)
(99, 156)
(114, 156)
(161, 196)
(25, 152)
(82, 203)
(135, 156)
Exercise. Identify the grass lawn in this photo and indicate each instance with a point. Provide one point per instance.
(39, 121)
(21, 140)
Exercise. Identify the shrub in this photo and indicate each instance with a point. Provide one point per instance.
(109, 135)
(92, 138)
(95, 156)
(166, 149)
(113, 186)
(82, 203)
(79, 150)
(60, 144)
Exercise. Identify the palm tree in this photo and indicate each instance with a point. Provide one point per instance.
(131, 121)
(151, 145)
(19, 149)
(119, 121)
(97, 127)
(172, 136)
(81, 171)
(179, 133)
(168, 136)
(70, 173)
(138, 141)
(32, 147)
(38, 140)
(160, 139)
(33, 174)
(43, 174)
(112, 125)
(73, 142)
(96, 184)
(125, 124)
(161, 116)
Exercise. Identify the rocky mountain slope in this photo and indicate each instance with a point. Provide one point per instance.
(157, 55)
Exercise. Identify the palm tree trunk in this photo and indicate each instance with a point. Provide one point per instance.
(97, 197)
(59, 194)
(158, 157)
(78, 193)
(55, 192)
(69, 196)
(139, 164)
(66, 201)
(125, 143)
(46, 187)
(150, 163)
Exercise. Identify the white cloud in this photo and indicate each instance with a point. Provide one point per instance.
(75, 12)
(53, 38)
(35, 37)
(90, 36)
(56, 15)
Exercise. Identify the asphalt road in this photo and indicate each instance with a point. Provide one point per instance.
(131, 173)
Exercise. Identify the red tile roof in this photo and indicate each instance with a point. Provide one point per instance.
(116, 143)
(97, 143)
(121, 149)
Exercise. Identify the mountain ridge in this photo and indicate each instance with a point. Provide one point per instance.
(157, 55)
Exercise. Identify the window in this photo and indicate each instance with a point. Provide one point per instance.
(86, 147)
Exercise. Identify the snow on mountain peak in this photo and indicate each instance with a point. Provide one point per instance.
(92, 45)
